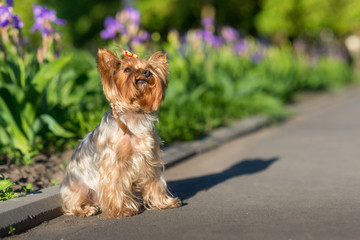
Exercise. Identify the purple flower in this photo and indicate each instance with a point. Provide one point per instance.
(43, 19)
(240, 47)
(257, 57)
(42, 13)
(112, 27)
(229, 34)
(211, 39)
(216, 42)
(7, 17)
(207, 36)
(10, 3)
(133, 15)
(126, 22)
(17, 23)
(143, 36)
(129, 17)
(208, 22)
(193, 37)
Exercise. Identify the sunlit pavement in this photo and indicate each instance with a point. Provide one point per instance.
(297, 180)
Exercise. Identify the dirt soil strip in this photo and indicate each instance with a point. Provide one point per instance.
(44, 204)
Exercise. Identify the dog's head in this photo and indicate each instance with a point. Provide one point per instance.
(137, 84)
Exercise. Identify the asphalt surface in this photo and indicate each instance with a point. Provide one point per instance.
(297, 180)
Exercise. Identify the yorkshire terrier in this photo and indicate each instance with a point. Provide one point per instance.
(116, 168)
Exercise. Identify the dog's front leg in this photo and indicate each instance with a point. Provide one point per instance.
(156, 196)
(116, 194)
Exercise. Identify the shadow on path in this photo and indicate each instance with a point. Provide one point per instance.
(187, 188)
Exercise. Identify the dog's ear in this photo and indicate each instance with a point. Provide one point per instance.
(107, 62)
(158, 57)
(159, 63)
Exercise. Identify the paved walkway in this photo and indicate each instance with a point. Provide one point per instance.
(298, 180)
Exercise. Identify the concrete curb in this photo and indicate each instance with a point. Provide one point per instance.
(28, 211)
(178, 152)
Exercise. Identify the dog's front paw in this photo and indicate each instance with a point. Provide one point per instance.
(83, 211)
(162, 202)
(173, 203)
(120, 213)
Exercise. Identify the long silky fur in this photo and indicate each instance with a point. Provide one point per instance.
(117, 173)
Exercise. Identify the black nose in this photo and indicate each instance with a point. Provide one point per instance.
(146, 73)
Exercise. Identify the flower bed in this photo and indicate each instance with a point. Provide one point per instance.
(51, 97)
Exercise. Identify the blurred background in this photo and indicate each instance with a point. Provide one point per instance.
(228, 59)
(275, 20)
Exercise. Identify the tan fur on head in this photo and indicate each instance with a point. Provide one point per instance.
(125, 82)
(117, 168)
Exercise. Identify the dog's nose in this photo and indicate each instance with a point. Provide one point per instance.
(146, 73)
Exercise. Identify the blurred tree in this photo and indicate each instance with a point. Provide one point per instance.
(278, 19)
(161, 16)
(85, 18)
(307, 18)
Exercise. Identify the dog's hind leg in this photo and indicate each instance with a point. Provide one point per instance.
(78, 200)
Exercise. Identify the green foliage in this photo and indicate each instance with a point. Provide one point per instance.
(211, 87)
(86, 17)
(285, 73)
(28, 188)
(42, 105)
(23, 110)
(47, 106)
(77, 97)
(185, 14)
(290, 18)
(54, 182)
(205, 91)
(11, 230)
(294, 18)
(6, 192)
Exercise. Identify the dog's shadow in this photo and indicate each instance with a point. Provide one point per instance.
(187, 188)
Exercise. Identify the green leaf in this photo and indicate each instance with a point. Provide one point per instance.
(36, 126)
(55, 127)
(4, 137)
(48, 72)
(4, 184)
(11, 230)
(22, 70)
(9, 107)
(27, 119)
(9, 110)
(16, 91)
(28, 188)
(54, 182)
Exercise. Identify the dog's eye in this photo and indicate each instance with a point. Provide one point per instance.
(127, 70)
